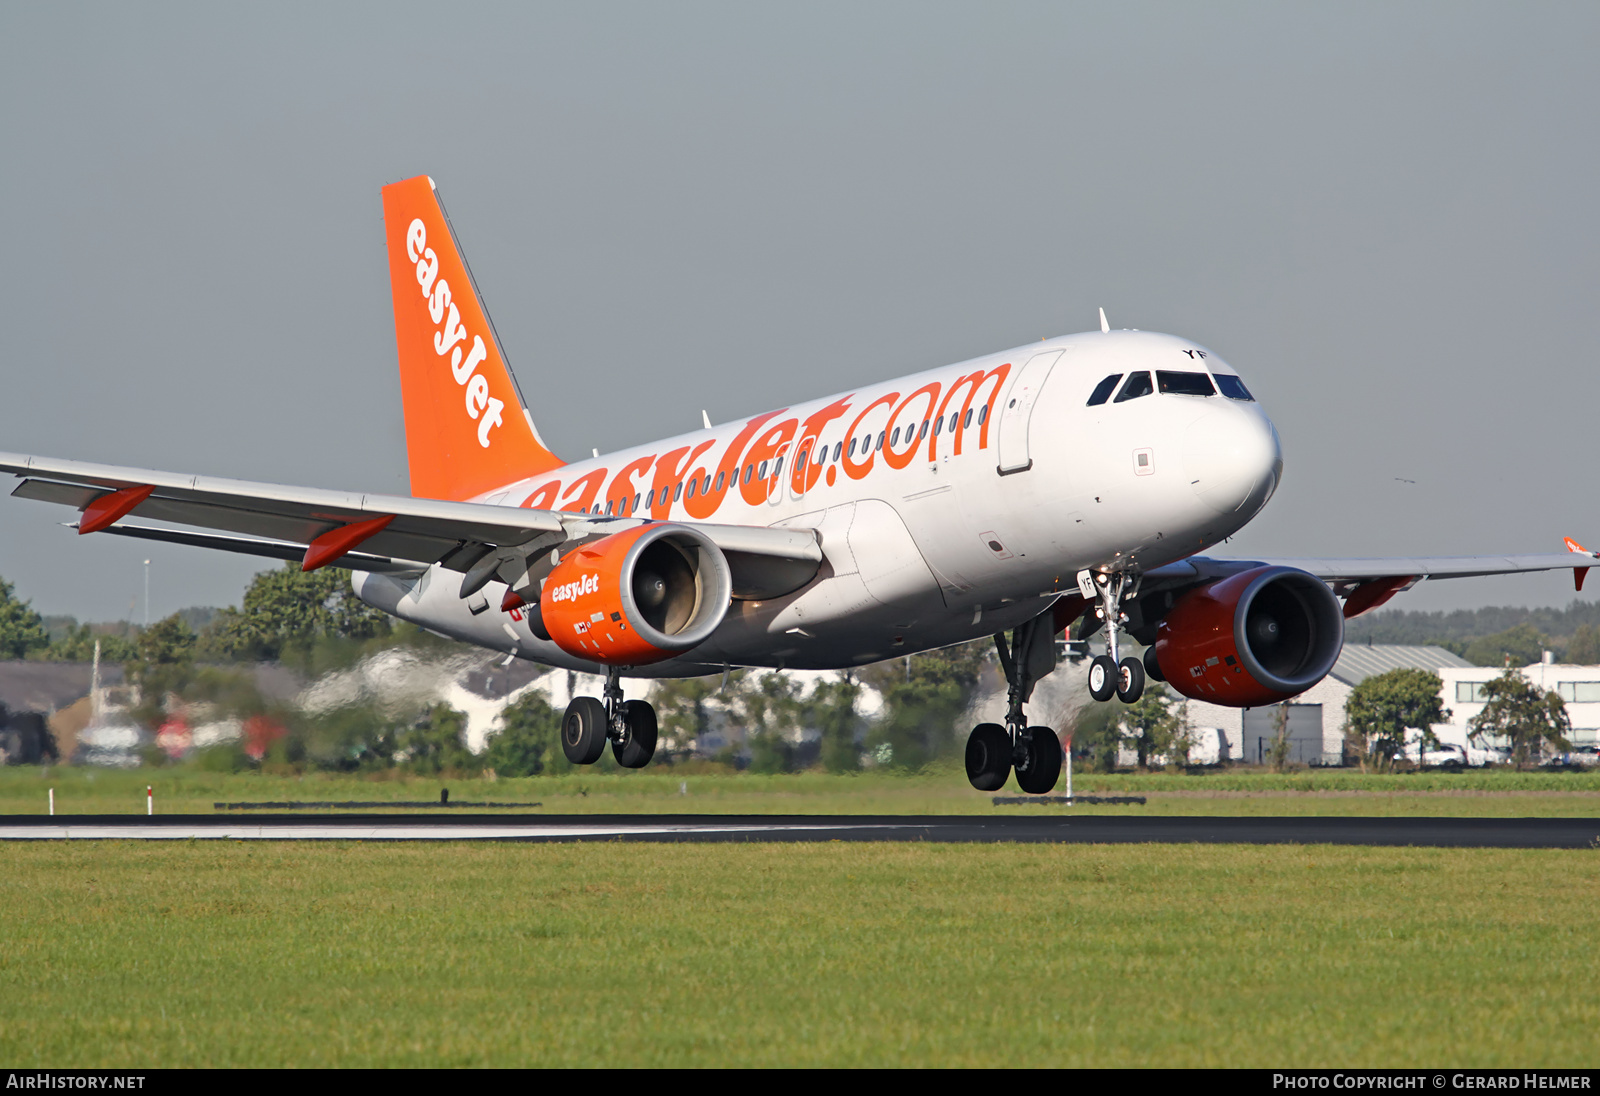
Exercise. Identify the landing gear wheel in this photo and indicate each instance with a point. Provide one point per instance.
(988, 757)
(1102, 678)
(1130, 680)
(1152, 668)
(583, 730)
(1041, 764)
(641, 747)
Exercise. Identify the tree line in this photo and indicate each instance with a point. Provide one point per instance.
(1487, 637)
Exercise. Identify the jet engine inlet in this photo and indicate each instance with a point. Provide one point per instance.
(1257, 637)
(638, 596)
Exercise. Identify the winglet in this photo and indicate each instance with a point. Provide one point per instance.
(1578, 573)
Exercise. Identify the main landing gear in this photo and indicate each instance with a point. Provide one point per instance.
(1108, 674)
(629, 725)
(1035, 753)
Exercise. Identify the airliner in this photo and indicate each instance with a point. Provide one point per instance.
(1079, 477)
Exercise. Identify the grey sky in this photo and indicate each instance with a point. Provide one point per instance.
(1383, 215)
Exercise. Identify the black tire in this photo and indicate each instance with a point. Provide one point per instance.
(583, 730)
(988, 757)
(1102, 678)
(1152, 668)
(1042, 756)
(1130, 680)
(641, 745)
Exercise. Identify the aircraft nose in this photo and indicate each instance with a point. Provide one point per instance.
(1233, 459)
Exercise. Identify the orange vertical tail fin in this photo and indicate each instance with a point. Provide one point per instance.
(467, 429)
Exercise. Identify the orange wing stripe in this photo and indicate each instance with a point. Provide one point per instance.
(336, 542)
(108, 509)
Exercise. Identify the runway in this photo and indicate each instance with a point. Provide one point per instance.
(1505, 833)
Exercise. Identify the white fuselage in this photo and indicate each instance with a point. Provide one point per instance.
(931, 535)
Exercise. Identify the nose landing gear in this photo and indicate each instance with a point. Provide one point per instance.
(1034, 753)
(1107, 673)
(630, 727)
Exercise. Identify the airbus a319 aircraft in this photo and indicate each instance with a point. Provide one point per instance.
(1006, 496)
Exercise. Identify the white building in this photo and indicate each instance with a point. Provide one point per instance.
(1579, 686)
(1316, 716)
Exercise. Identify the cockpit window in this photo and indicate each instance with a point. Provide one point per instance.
(1102, 391)
(1184, 384)
(1233, 387)
(1138, 385)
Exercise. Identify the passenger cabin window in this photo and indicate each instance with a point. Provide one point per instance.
(1233, 387)
(1138, 384)
(1102, 391)
(1184, 384)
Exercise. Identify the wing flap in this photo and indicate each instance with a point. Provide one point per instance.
(268, 549)
(75, 495)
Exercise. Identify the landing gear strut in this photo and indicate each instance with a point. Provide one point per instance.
(629, 725)
(1109, 673)
(1035, 753)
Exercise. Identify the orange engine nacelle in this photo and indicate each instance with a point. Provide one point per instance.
(1254, 638)
(638, 596)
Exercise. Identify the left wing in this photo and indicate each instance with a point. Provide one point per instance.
(393, 532)
(1367, 583)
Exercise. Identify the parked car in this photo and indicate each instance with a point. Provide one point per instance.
(1448, 756)
(1586, 756)
(1453, 757)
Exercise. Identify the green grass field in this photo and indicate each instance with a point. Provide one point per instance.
(703, 789)
(128, 955)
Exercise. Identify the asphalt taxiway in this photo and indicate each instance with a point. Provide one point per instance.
(1510, 833)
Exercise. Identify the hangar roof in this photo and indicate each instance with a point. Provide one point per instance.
(1357, 663)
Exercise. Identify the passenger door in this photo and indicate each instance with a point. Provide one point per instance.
(1018, 410)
